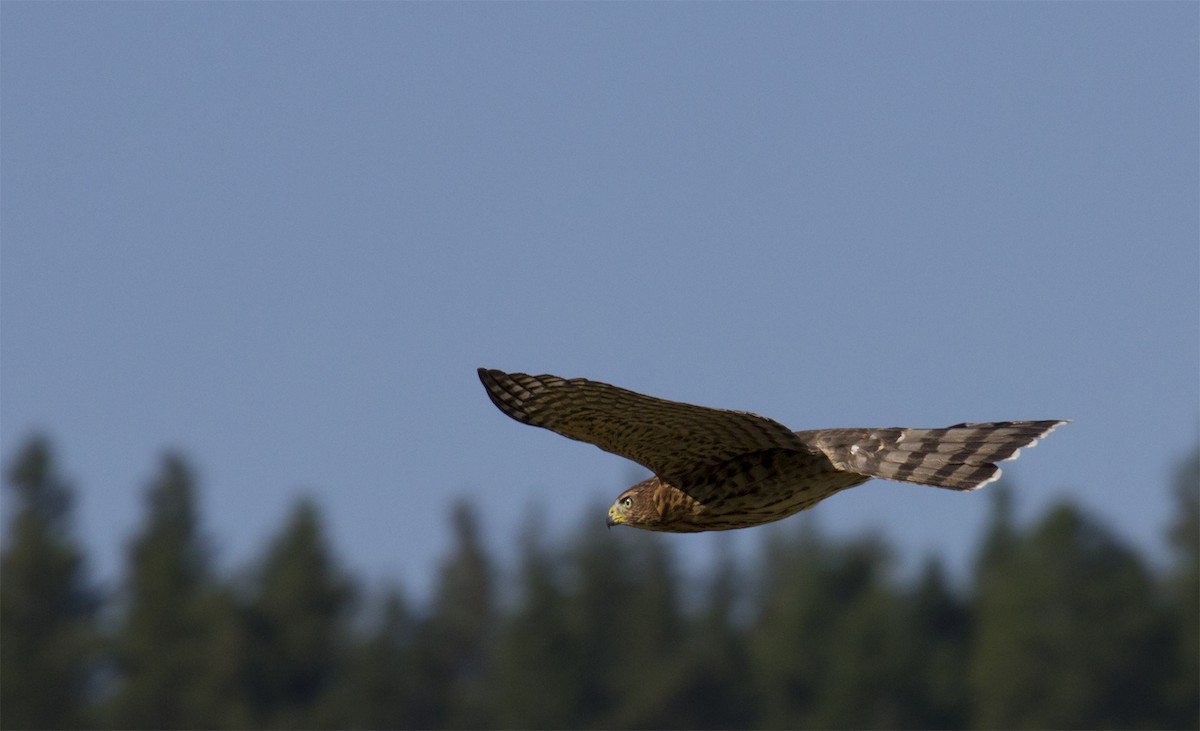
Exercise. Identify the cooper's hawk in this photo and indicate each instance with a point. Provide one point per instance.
(716, 469)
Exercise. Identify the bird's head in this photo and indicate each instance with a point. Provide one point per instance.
(637, 507)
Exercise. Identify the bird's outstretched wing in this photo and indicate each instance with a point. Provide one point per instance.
(678, 442)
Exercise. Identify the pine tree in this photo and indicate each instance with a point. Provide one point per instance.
(46, 606)
(1000, 538)
(864, 683)
(789, 635)
(173, 650)
(376, 689)
(627, 636)
(836, 645)
(717, 689)
(935, 631)
(297, 621)
(1183, 595)
(1068, 634)
(454, 647)
(821, 627)
(598, 582)
(536, 676)
(646, 680)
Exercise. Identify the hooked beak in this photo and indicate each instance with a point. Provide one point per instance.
(613, 518)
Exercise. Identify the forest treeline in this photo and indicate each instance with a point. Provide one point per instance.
(1060, 625)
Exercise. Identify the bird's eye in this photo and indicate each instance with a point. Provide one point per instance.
(627, 502)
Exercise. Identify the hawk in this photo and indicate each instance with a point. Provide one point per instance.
(716, 469)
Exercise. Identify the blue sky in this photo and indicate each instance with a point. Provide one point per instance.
(280, 237)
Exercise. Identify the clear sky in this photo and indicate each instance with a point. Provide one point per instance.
(280, 237)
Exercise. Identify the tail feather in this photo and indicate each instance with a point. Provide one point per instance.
(960, 457)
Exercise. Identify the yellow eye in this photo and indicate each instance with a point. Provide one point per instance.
(627, 502)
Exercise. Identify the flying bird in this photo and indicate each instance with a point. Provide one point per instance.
(716, 469)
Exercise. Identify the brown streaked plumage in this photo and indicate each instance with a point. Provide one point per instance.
(716, 469)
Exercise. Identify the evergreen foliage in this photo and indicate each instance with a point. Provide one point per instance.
(46, 607)
(1183, 595)
(172, 672)
(1068, 632)
(1061, 625)
(297, 628)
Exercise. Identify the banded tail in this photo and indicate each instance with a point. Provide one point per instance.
(960, 457)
